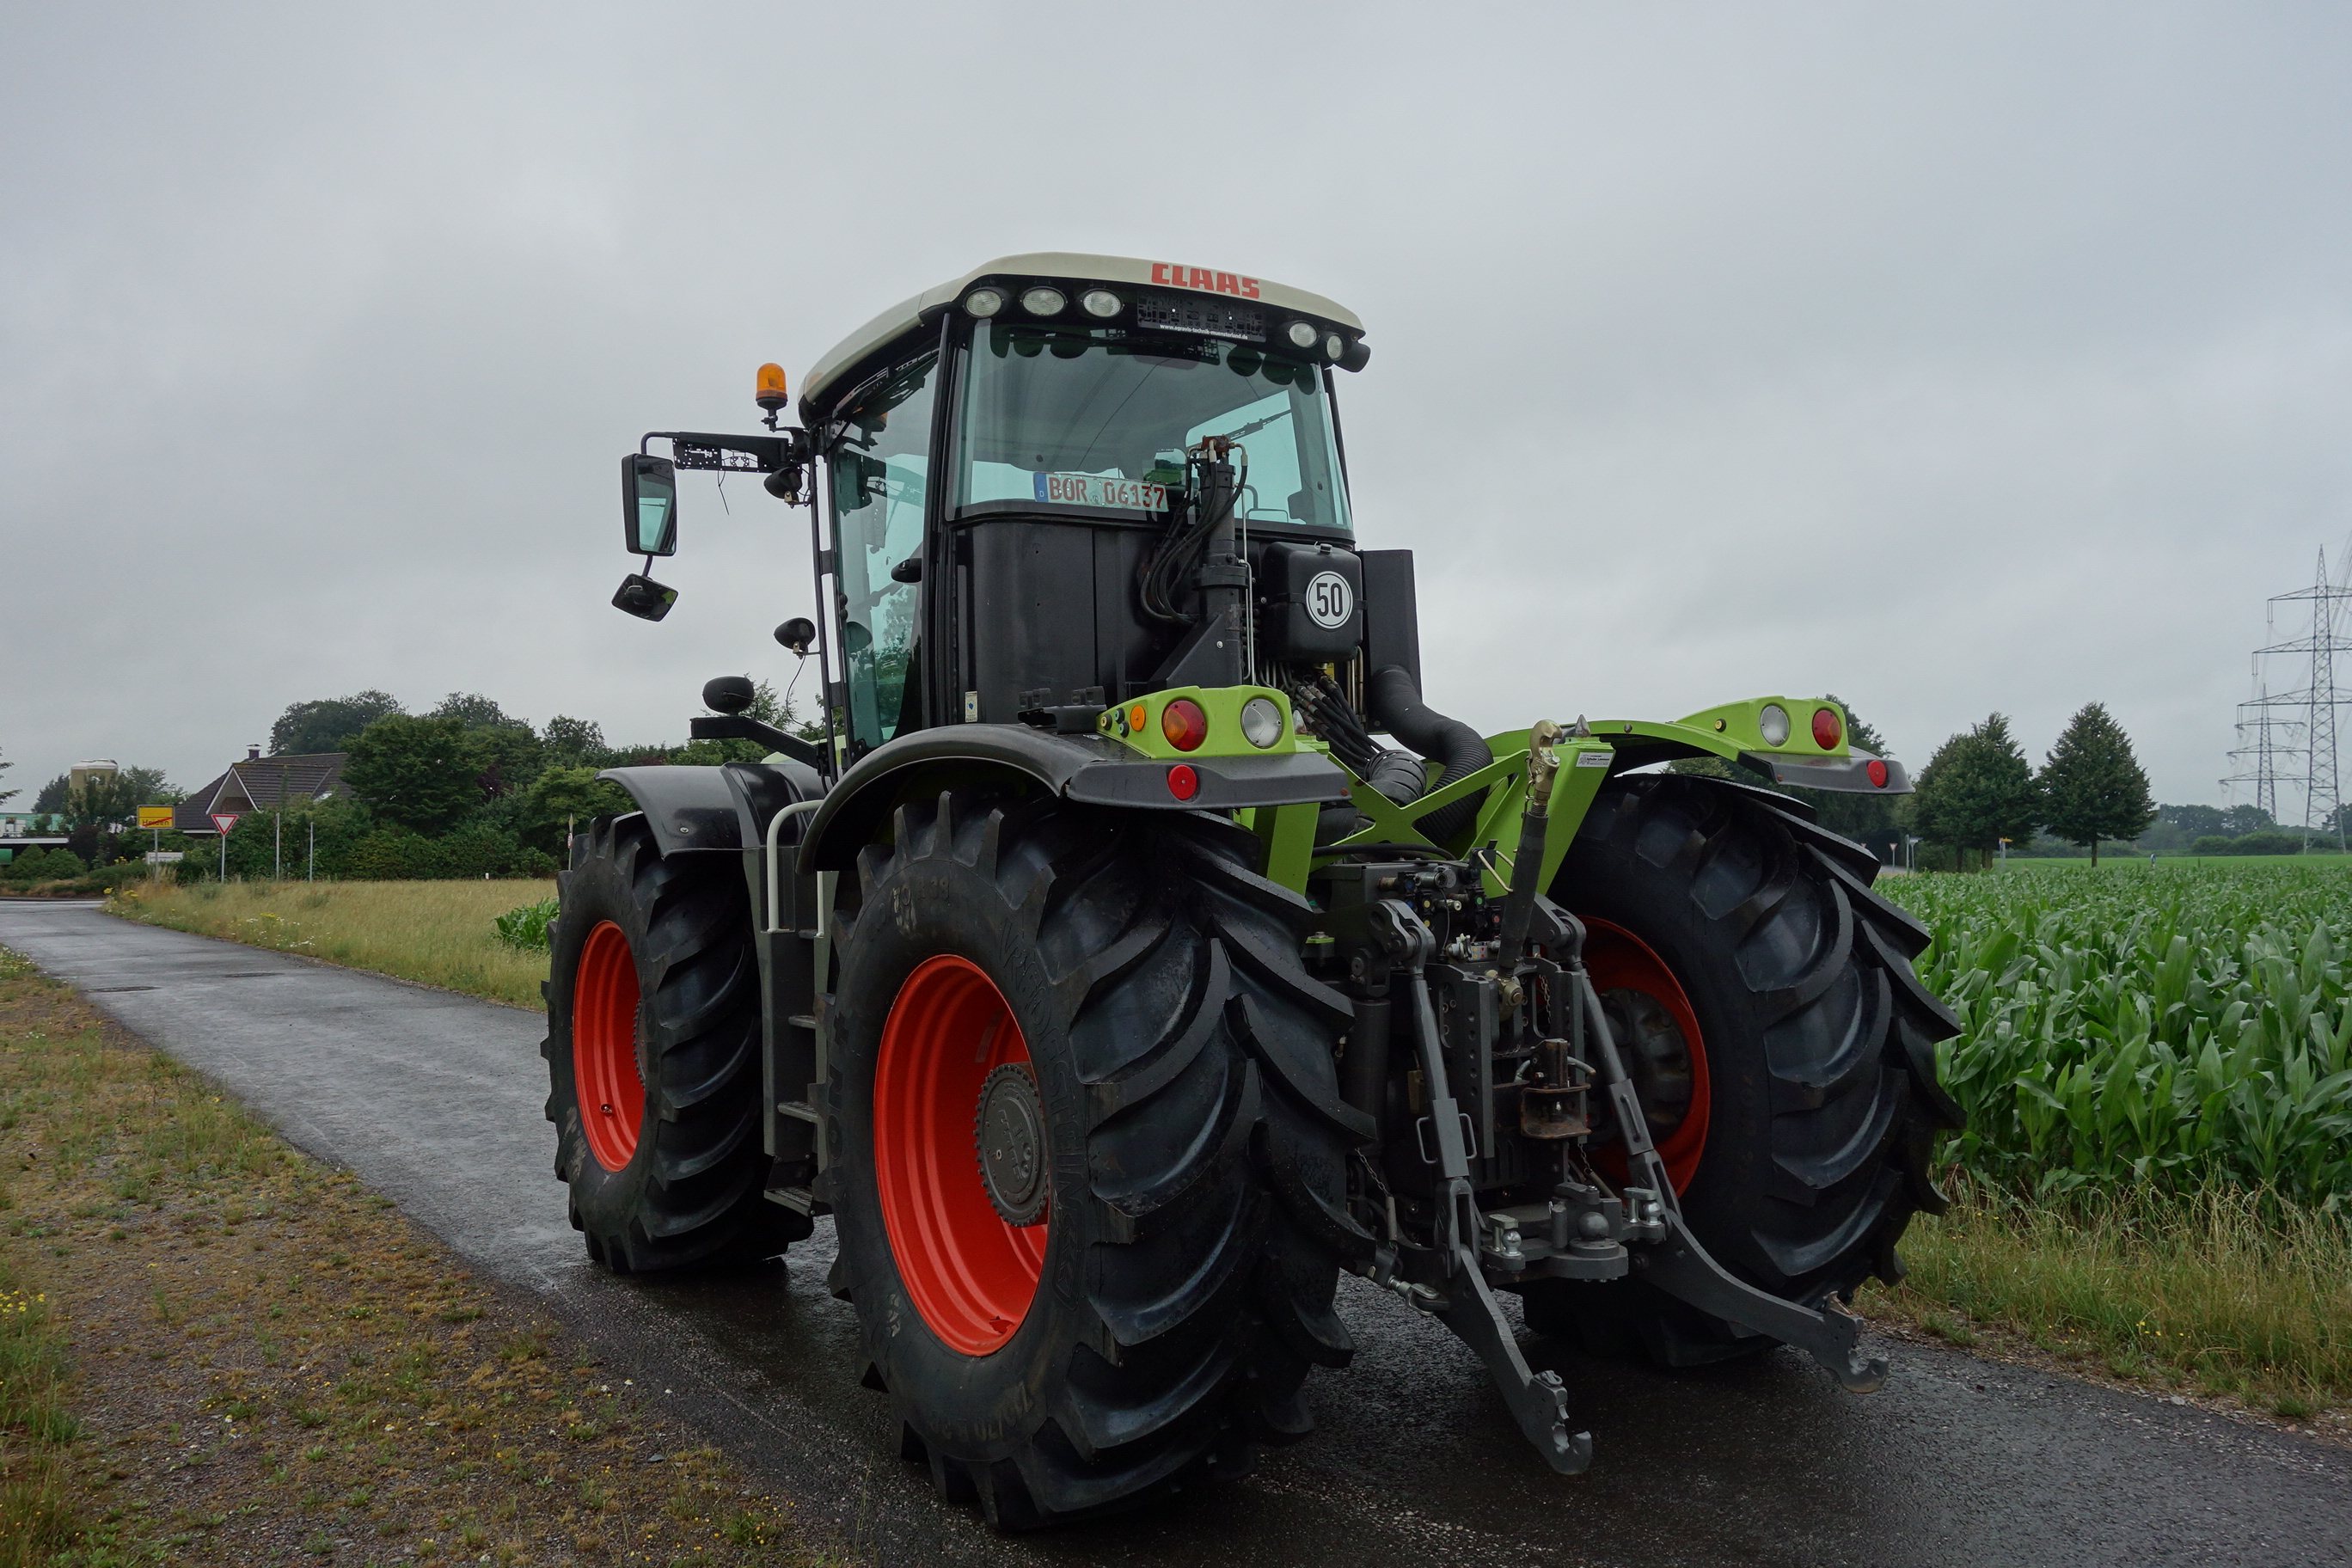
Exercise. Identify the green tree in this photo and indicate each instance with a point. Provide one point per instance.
(8, 794)
(100, 814)
(1977, 790)
(2197, 821)
(2237, 821)
(504, 760)
(475, 711)
(562, 799)
(52, 796)
(572, 743)
(329, 724)
(417, 774)
(2091, 786)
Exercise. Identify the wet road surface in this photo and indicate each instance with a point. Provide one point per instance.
(435, 1100)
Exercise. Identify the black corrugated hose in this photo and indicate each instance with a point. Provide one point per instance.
(1396, 702)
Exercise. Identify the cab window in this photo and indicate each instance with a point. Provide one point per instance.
(880, 463)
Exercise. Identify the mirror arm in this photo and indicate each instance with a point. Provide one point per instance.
(732, 454)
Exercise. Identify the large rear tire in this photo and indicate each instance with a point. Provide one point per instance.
(1116, 1001)
(653, 1058)
(1783, 1048)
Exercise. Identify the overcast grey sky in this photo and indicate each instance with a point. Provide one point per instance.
(1952, 358)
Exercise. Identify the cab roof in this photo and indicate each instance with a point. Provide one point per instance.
(1067, 267)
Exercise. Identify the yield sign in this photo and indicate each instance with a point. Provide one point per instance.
(225, 820)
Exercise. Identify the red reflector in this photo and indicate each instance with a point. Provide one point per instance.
(1184, 724)
(1182, 782)
(1877, 772)
(1826, 729)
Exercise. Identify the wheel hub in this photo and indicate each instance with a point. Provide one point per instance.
(1657, 1056)
(1010, 1131)
(1657, 1033)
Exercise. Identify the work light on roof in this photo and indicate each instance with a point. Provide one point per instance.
(984, 302)
(1333, 345)
(1099, 302)
(1302, 333)
(1042, 301)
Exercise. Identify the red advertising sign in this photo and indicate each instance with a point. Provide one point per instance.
(225, 820)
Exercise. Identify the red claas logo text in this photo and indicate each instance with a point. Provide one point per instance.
(1206, 280)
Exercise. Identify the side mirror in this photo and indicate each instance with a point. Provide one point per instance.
(649, 506)
(643, 598)
(730, 694)
(797, 633)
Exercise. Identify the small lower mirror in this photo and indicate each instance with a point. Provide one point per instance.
(643, 597)
(797, 633)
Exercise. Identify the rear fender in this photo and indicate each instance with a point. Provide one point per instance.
(725, 807)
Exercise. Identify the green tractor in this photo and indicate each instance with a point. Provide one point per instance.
(1136, 951)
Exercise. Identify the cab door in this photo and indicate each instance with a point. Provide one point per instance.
(880, 464)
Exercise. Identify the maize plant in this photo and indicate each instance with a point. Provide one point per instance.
(2182, 1030)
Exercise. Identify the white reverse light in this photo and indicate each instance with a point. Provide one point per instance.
(1044, 301)
(984, 302)
(1773, 724)
(1099, 302)
(1261, 722)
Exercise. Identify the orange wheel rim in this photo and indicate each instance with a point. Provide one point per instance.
(969, 1273)
(1620, 960)
(605, 1072)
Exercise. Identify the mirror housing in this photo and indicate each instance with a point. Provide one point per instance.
(729, 694)
(643, 597)
(649, 509)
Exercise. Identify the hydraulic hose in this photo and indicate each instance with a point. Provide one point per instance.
(1461, 751)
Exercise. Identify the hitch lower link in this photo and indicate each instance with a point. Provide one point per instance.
(1581, 1233)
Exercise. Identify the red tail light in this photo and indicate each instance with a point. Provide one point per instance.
(1184, 724)
(1827, 731)
(1182, 782)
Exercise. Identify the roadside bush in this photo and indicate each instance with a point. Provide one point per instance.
(397, 855)
(2263, 843)
(2268, 844)
(45, 865)
(394, 854)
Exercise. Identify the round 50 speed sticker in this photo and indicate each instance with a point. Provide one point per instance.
(1329, 601)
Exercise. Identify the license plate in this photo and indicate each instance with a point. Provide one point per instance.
(1093, 489)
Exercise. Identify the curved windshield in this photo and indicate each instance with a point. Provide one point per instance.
(1098, 418)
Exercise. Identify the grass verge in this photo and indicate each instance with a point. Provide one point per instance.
(213, 1349)
(35, 1428)
(2208, 1297)
(439, 932)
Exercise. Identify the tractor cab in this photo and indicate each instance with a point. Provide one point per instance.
(1026, 468)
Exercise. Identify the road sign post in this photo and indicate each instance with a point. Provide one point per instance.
(225, 820)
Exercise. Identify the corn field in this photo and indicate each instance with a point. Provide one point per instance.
(2178, 1030)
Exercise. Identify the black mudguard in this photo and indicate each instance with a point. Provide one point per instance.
(725, 807)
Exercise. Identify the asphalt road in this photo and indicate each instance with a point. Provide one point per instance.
(435, 1101)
